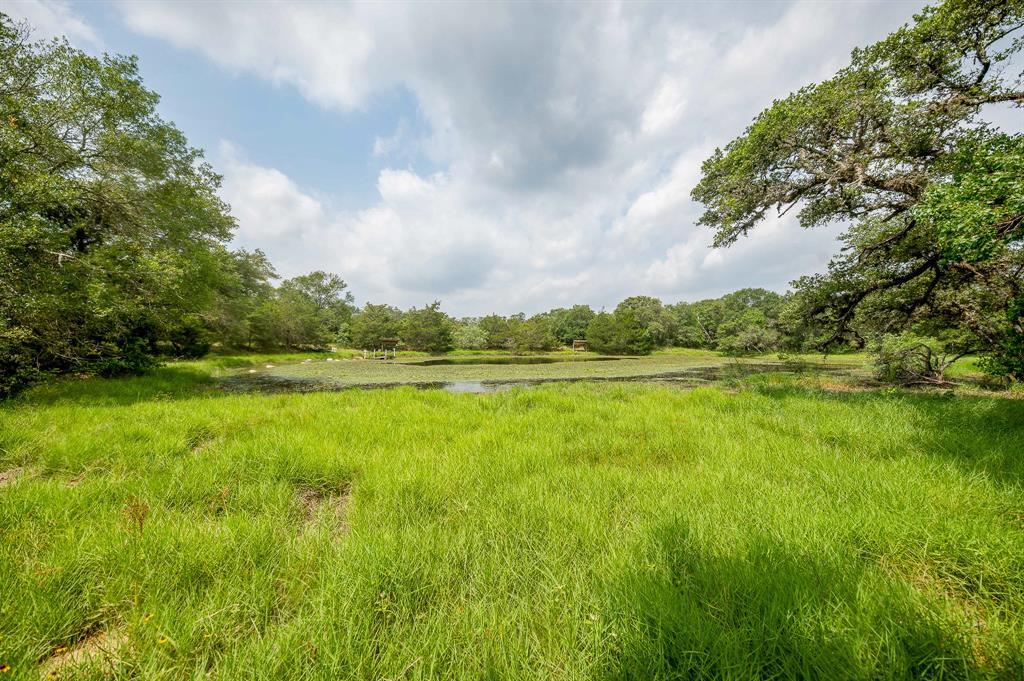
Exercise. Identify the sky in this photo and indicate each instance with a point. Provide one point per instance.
(498, 157)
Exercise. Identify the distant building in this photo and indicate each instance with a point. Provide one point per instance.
(579, 345)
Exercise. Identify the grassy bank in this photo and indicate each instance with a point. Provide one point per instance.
(154, 528)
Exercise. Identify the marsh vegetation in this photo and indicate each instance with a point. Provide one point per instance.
(493, 371)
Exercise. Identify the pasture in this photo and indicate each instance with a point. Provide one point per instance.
(164, 528)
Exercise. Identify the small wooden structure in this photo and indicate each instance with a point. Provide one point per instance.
(387, 346)
(579, 345)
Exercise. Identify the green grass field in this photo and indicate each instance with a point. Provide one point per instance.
(159, 528)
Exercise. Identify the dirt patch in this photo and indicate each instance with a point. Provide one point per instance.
(98, 647)
(200, 438)
(330, 505)
(924, 579)
(838, 387)
(7, 477)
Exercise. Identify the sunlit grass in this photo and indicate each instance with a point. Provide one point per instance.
(566, 531)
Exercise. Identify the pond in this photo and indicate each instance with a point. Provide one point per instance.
(524, 359)
(685, 377)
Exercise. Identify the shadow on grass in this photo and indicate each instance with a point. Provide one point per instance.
(164, 383)
(977, 433)
(174, 380)
(765, 610)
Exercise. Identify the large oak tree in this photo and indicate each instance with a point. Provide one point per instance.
(112, 235)
(896, 145)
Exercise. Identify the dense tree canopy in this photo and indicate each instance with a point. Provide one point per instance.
(569, 324)
(469, 335)
(896, 145)
(743, 322)
(373, 324)
(244, 286)
(535, 333)
(427, 328)
(619, 333)
(329, 296)
(498, 330)
(111, 232)
(650, 313)
(113, 241)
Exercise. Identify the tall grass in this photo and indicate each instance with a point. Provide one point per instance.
(565, 531)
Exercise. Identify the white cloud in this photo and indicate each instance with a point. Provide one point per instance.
(665, 108)
(52, 18)
(322, 50)
(396, 144)
(267, 204)
(570, 137)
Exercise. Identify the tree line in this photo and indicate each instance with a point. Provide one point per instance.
(317, 311)
(749, 321)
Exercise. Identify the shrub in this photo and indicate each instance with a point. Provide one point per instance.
(190, 340)
(909, 359)
(374, 323)
(427, 329)
(534, 334)
(753, 340)
(618, 334)
(1008, 359)
(470, 337)
(18, 368)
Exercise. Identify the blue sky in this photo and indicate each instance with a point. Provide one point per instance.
(497, 156)
(328, 151)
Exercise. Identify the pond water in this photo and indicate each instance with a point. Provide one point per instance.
(688, 377)
(470, 361)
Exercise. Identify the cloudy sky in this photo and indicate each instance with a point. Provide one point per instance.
(498, 157)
